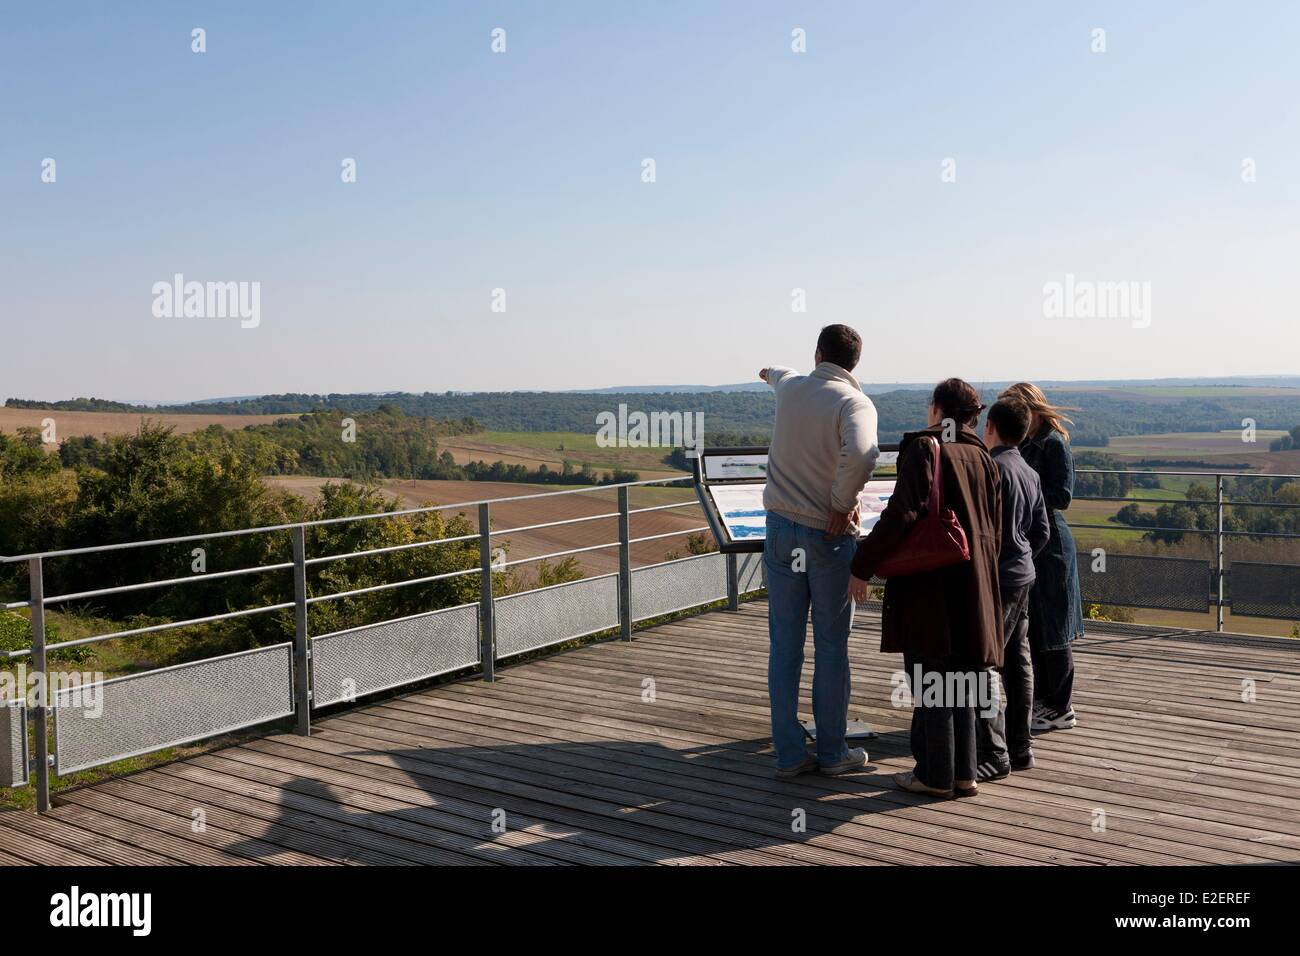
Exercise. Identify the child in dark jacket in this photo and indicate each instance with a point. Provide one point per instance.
(1003, 737)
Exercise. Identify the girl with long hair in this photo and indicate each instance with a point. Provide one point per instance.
(1055, 606)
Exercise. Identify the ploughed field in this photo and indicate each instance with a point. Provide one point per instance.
(98, 424)
(1195, 446)
(516, 514)
(533, 449)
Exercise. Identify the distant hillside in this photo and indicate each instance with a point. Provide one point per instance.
(872, 388)
(747, 415)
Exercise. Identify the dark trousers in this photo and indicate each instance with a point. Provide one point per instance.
(943, 733)
(1054, 678)
(1005, 734)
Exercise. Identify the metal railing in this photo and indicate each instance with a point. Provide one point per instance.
(93, 746)
(1286, 601)
(154, 710)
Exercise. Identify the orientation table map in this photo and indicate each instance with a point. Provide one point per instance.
(741, 507)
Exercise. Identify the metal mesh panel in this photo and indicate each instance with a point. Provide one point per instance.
(749, 571)
(13, 745)
(677, 585)
(175, 705)
(1265, 590)
(1173, 584)
(363, 660)
(534, 619)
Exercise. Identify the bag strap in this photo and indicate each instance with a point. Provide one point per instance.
(935, 504)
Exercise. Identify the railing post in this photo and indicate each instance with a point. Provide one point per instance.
(1218, 561)
(487, 634)
(624, 566)
(35, 576)
(301, 641)
(733, 583)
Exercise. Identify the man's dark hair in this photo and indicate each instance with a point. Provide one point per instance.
(1010, 419)
(957, 400)
(841, 345)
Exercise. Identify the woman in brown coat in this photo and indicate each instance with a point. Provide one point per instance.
(946, 623)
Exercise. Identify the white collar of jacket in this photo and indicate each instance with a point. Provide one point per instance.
(831, 371)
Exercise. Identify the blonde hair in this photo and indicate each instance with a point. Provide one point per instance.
(1033, 396)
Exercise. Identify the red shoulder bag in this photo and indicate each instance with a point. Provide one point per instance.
(936, 541)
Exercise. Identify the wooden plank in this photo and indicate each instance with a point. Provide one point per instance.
(48, 842)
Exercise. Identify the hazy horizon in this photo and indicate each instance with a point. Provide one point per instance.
(775, 170)
(1287, 381)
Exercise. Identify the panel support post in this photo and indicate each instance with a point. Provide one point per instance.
(301, 641)
(1219, 571)
(40, 723)
(733, 583)
(624, 566)
(487, 624)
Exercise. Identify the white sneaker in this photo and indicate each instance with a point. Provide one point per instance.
(1046, 719)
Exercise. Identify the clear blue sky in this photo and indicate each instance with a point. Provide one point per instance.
(521, 170)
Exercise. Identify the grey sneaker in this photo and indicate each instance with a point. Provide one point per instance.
(856, 760)
(807, 765)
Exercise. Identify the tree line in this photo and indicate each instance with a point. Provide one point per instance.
(385, 443)
(1101, 415)
(156, 484)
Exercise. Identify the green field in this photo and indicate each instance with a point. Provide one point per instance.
(1187, 446)
(1211, 391)
(579, 447)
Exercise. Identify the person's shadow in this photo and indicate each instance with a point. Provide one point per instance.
(606, 802)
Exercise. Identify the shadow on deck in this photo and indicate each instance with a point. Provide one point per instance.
(565, 760)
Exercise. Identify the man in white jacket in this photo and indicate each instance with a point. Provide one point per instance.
(822, 453)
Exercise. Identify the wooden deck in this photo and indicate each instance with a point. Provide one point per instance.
(586, 771)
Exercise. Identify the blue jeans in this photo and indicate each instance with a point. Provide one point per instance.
(804, 566)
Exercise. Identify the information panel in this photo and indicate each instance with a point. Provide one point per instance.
(730, 482)
(735, 467)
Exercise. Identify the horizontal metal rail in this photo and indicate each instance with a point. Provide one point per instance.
(552, 524)
(170, 625)
(389, 550)
(204, 576)
(1142, 501)
(1182, 474)
(389, 586)
(668, 534)
(679, 504)
(321, 522)
(556, 554)
(1142, 528)
(1194, 502)
(1226, 534)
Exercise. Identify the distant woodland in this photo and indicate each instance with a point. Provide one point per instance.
(1102, 414)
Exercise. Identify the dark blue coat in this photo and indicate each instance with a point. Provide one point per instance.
(1055, 608)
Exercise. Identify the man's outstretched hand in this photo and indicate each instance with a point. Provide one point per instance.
(857, 589)
(762, 373)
